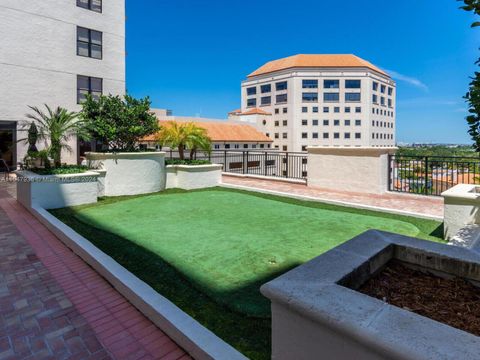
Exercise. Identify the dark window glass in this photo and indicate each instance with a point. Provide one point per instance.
(390, 91)
(284, 135)
(347, 122)
(266, 88)
(325, 135)
(94, 5)
(382, 101)
(304, 135)
(358, 135)
(347, 135)
(88, 85)
(309, 97)
(304, 109)
(336, 122)
(266, 100)
(314, 122)
(251, 102)
(352, 97)
(283, 85)
(251, 91)
(347, 109)
(326, 109)
(331, 84)
(315, 135)
(375, 86)
(336, 135)
(304, 122)
(281, 99)
(358, 110)
(331, 97)
(326, 122)
(353, 84)
(277, 111)
(310, 84)
(358, 122)
(382, 89)
(89, 43)
(389, 102)
(284, 122)
(304, 147)
(375, 99)
(285, 110)
(277, 123)
(336, 109)
(315, 109)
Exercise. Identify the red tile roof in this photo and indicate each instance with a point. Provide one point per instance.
(254, 111)
(316, 60)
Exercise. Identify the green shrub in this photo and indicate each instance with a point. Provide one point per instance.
(61, 170)
(187, 162)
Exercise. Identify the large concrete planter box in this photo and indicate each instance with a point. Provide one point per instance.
(461, 208)
(318, 314)
(130, 173)
(56, 191)
(191, 177)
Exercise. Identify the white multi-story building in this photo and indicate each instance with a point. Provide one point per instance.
(320, 100)
(54, 52)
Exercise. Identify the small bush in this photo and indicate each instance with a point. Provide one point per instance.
(187, 162)
(61, 170)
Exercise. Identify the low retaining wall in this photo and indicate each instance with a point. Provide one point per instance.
(191, 177)
(355, 169)
(56, 191)
(130, 173)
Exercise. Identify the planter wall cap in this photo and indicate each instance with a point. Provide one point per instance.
(352, 151)
(463, 191)
(30, 175)
(316, 291)
(193, 168)
(123, 155)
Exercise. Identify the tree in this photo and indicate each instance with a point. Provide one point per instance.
(473, 95)
(32, 138)
(56, 128)
(184, 136)
(119, 123)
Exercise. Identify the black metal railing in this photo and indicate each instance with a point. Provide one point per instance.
(287, 165)
(431, 175)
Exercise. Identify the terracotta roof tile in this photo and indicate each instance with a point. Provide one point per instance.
(314, 60)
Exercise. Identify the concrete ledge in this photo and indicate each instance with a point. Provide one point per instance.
(261, 177)
(352, 151)
(191, 177)
(124, 155)
(333, 202)
(194, 338)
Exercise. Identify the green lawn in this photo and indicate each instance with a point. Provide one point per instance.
(209, 251)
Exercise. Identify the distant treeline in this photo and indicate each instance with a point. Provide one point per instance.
(438, 150)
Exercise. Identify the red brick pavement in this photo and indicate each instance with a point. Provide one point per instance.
(93, 320)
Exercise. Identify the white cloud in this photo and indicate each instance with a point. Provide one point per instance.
(408, 79)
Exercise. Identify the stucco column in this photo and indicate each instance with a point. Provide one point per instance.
(356, 169)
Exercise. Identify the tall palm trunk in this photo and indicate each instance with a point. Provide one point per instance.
(181, 152)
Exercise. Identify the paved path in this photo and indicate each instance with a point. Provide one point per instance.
(426, 205)
(53, 305)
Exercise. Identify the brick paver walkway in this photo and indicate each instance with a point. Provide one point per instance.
(426, 205)
(53, 304)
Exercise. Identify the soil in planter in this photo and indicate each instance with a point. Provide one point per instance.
(454, 302)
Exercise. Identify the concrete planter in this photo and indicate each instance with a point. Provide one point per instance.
(191, 177)
(318, 314)
(130, 173)
(461, 208)
(56, 191)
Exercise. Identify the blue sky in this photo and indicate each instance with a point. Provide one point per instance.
(191, 55)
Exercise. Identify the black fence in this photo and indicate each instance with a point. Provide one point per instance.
(287, 165)
(431, 175)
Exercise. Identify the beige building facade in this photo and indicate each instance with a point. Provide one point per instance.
(320, 100)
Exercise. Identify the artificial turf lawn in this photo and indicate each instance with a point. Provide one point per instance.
(209, 251)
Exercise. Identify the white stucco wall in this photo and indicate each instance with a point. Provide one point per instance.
(56, 191)
(191, 177)
(130, 173)
(349, 169)
(38, 57)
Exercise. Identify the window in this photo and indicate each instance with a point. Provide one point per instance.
(254, 146)
(336, 109)
(310, 97)
(88, 85)
(266, 88)
(382, 101)
(358, 110)
(304, 109)
(336, 135)
(382, 89)
(89, 43)
(94, 5)
(390, 91)
(347, 122)
(331, 84)
(389, 102)
(267, 134)
(262, 146)
(284, 135)
(353, 84)
(285, 110)
(375, 86)
(315, 109)
(284, 148)
(245, 146)
(304, 147)
(277, 111)
(347, 109)
(326, 109)
(325, 122)
(352, 97)
(251, 102)
(217, 147)
(304, 135)
(315, 122)
(264, 122)
(266, 100)
(281, 99)
(346, 135)
(325, 135)
(358, 135)
(304, 122)
(315, 135)
(375, 99)
(251, 91)
(277, 123)
(373, 122)
(237, 146)
(277, 136)
(310, 84)
(331, 97)
(358, 122)
(285, 122)
(336, 122)
(281, 86)
(227, 146)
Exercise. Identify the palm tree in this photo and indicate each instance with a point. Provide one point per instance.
(183, 136)
(57, 127)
